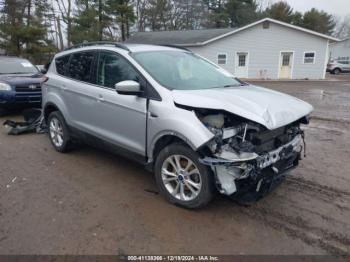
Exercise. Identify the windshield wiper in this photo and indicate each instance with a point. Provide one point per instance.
(231, 85)
(20, 73)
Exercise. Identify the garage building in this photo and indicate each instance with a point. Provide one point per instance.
(266, 49)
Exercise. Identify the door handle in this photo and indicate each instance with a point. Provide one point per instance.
(100, 98)
(153, 115)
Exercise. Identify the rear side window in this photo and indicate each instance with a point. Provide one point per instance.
(61, 64)
(80, 66)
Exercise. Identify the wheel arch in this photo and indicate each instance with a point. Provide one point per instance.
(166, 139)
(48, 109)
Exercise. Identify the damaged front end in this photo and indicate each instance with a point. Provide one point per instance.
(248, 159)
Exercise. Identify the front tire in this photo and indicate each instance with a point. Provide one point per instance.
(182, 179)
(58, 132)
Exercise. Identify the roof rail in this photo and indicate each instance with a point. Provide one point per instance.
(176, 46)
(98, 43)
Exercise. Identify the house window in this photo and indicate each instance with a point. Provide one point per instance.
(286, 60)
(222, 59)
(242, 60)
(309, 58)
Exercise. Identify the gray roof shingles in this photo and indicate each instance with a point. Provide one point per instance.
(186, 37)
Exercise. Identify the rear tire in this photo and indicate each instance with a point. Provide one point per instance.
(58, 132)
(182, 179)
(336, 71)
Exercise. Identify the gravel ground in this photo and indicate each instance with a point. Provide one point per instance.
(92, 202)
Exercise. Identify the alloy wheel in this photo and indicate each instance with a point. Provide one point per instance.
(56, 132)
(181, 177)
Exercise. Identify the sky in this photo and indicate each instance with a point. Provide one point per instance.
(335, 7)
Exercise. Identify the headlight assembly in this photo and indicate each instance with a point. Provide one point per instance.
(5, 87)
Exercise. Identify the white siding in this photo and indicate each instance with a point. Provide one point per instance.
(264, 47)
(341, 49)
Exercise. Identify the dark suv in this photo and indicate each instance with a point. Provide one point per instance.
(20, 84)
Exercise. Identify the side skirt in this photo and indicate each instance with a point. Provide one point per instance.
(96, 142)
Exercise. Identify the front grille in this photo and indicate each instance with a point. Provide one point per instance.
(29, 88)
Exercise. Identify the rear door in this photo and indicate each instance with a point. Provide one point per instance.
(79, 92)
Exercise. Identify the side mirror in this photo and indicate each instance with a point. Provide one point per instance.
(128, 87)
(43, 71)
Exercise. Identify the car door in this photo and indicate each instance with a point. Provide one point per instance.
(119, 119)
(79, 92)
(347, 66)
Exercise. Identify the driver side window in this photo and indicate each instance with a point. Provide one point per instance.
(113, 69)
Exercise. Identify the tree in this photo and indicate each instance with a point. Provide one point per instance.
(157, 14)
(65, 8)
(342, 29)
(241, 12)
(297, 19)
(24, 29)
(90, 21)
(280, 11)
(319, 21)
(218, 16)
(122, 12)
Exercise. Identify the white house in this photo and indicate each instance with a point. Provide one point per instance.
(340, 50)
(267, 49)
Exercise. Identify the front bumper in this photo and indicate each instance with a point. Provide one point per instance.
(258, 176)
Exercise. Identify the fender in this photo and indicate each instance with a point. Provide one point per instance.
(52, 98)
(178, 122)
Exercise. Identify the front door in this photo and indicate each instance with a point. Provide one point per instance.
(241, 65)
(286, 65)
(120, 119)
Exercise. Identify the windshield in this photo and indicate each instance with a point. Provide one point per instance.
(17, 66)
(184, 71)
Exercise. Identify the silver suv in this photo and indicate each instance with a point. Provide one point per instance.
(196, 126)
(338, 66)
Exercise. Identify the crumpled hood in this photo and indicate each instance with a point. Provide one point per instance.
(267, 107)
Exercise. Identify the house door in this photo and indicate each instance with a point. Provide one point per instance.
(286, 65)
(241, 65)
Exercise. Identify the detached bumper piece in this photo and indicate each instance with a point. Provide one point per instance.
(33, 122)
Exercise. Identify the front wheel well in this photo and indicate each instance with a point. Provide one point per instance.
(165, 141)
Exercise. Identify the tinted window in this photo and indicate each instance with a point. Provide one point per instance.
(80, 66)
(113, 69)
(17, 66)
(61, 64)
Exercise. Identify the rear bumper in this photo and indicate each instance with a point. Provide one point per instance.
(14, 99)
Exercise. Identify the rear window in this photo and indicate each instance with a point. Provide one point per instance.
(80, 66)
(61, 64)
